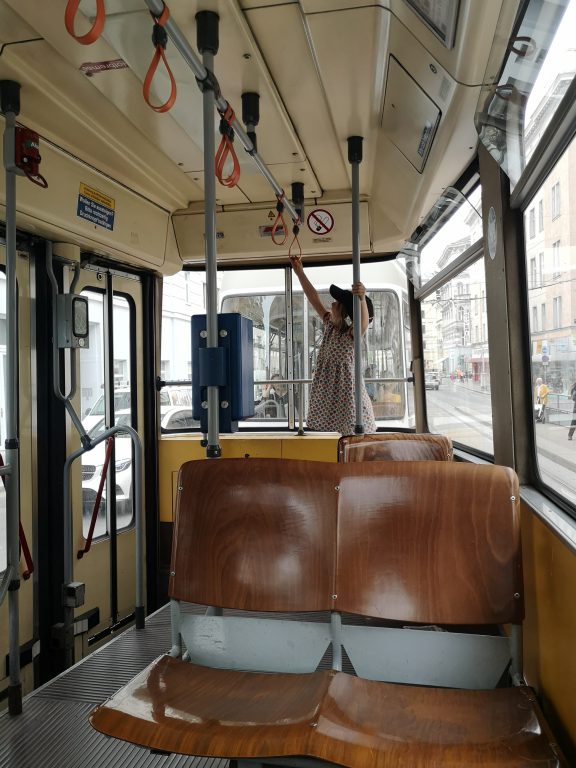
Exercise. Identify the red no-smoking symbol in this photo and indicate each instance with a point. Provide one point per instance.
(320, 221)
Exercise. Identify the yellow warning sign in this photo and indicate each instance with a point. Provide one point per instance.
(97, 197)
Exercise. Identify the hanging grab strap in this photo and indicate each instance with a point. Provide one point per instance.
(94, 33)
(295, 241)
(279, 222)
(81, 552)
(29, 570)
(160, 40)
(226, 150)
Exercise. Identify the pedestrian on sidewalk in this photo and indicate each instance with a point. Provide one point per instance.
(540, 400)
(573, 422)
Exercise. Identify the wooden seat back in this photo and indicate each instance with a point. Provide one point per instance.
(395, 446)
(427, 542)
(255, 535)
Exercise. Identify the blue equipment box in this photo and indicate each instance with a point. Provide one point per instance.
(230, 366)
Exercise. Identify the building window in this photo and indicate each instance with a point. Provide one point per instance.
(540, 215)
(541, 268)
(556, 259)
(534, 319)
(533, 277)
(556, 200)
(531, 222)
(557, 312)
(165, 370)
(189, 288)
(543, 316)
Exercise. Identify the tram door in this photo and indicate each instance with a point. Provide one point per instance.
(109, 381)
(26, 429)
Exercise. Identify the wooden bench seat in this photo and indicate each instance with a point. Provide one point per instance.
(222, 713)
(406, 544)
(395, 446)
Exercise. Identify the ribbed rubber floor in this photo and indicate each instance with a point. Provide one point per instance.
(53, 731)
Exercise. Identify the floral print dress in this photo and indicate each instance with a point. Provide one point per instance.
(332, 407)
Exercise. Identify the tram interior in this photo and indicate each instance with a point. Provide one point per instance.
(417, 80)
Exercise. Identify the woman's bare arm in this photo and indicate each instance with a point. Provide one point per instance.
(307, 287)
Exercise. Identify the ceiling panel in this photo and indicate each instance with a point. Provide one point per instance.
(354, 80)
(81, 121)
(298, 82)
(12, 28)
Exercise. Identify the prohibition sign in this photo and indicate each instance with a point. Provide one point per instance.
(320, 221)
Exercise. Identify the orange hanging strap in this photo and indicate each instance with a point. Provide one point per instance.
(295, 241)
(94, 33)
(226, 151)
(279, 222)
(160, 40)
(25, 549)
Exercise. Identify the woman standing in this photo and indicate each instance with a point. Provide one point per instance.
(332, 405)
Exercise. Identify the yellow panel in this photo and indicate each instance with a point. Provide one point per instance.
(317, 448)
(550, 624)
(174, 451)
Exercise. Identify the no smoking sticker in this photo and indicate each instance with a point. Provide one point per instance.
(320, 221)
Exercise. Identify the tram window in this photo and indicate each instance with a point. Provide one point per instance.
(552, 318)
(462, 229)
(264, 302)
(92, 378)
(514, 113)
(183, 296)
(457, 360)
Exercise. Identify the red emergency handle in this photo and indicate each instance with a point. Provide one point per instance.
(27, 155)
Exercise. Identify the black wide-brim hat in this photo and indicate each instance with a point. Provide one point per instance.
(346, 298)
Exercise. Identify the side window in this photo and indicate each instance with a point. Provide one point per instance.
(92, 377)
(455, 333)
(553, 332)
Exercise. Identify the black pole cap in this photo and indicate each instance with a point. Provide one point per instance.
(251, 108)
(207, 32)
(298, 193)
(355, 149)
(9, 97)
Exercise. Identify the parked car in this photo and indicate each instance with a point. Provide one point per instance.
(95, 414)
(92, 466)
(173, 417)
(431, 381)
(169, 397)
(177, 417)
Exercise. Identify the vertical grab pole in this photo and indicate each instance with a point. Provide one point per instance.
(355, 158)
(10, 107)
(207, 43)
